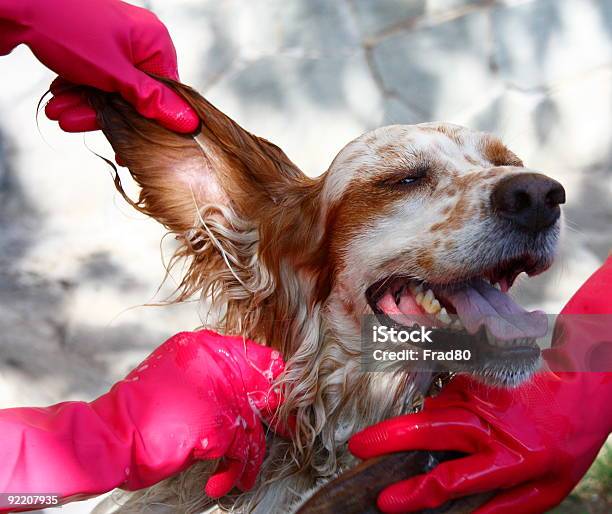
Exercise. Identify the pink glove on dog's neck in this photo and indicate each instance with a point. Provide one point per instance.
(106, 44)
(199, 395)
(532, 444)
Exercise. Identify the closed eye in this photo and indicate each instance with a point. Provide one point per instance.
(409, 177)
(407, 180)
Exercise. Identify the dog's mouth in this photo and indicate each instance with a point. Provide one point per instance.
(476, 313)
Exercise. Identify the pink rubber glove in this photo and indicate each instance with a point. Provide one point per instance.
(106, 44)
(200, 395)
(533, 443)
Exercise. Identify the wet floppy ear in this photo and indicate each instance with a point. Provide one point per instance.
(222, 164)
(270, 224)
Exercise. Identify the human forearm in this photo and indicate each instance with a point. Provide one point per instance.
(199, 395)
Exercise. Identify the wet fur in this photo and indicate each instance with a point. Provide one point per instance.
(284, 259)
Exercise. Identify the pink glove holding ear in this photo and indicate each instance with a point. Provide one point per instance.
(200, 395)
(106, 44)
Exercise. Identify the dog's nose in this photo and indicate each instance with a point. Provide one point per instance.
(531, 200)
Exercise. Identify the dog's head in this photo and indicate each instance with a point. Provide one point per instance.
(408, 220)
(433, 223)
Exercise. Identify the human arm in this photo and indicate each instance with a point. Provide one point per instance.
(198, 396)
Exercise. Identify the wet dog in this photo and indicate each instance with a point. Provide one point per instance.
(432, 220)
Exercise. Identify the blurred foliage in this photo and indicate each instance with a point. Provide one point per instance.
(593, 495)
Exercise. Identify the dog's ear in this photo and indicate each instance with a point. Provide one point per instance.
(247, 217)
(179, 174)
(222, 165)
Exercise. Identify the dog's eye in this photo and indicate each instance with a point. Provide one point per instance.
(407, 180)
(411, 176)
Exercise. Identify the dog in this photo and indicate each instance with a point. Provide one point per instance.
(432, 219)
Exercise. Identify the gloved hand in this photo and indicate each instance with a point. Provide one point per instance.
(106, 44)
(199, 395)
(533, 443)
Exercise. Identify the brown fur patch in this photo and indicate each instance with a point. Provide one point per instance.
(387, 151)
(453, 133)
(498, 154)
(426, 262)
(460, 214)
(353, 212)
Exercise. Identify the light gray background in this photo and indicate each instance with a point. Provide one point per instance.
(76, 263)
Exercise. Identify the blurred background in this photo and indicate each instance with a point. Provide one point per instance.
(77, 264)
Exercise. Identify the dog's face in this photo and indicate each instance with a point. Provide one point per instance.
(408, 221)
(440, 207)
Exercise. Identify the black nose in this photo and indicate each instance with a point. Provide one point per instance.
(530, 200)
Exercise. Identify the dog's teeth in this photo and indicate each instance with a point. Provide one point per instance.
(428, 302)
(457, 324)
(419, 298)
(434, 307)
(443, 316)
(497, 286)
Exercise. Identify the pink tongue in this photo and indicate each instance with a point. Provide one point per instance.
(481, 304)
